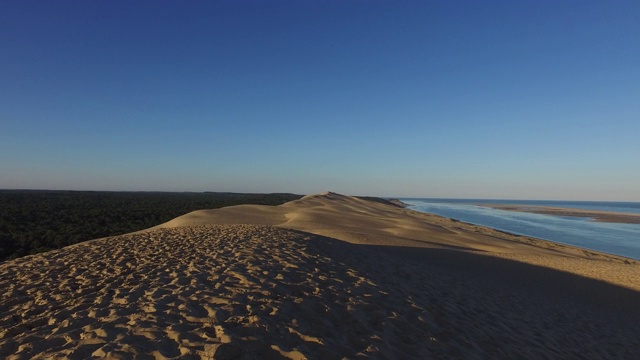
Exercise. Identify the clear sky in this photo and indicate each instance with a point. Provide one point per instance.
(483, 99)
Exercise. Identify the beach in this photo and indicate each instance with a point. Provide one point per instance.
(324, 277)
(599, 216)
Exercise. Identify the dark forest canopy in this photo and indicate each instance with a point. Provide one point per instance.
(33, 221)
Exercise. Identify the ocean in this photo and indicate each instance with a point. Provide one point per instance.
(613, 238)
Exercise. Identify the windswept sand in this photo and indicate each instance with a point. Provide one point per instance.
(594, 215)
(323, 277)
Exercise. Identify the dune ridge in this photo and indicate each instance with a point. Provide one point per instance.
(324, 277)
(364, 222)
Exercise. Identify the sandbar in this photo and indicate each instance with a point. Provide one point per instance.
(594, 215)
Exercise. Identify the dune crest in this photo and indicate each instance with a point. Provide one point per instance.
(361, 221)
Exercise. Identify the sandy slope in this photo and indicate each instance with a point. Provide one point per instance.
(326, 276)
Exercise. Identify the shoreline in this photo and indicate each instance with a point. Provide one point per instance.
(594, 215)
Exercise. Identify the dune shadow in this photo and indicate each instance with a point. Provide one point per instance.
(493, 306)
(520, 276)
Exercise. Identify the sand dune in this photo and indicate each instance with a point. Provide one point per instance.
(324, 277)
(364, 222)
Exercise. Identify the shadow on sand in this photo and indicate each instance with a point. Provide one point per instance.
(473, 304)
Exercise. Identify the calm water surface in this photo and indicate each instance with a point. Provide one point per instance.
(613, 238)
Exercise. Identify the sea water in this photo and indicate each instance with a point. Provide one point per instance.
(613, 238)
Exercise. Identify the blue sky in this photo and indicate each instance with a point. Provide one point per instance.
(482, 99)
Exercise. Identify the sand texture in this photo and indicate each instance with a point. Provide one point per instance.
(594, 215)
(323, 277)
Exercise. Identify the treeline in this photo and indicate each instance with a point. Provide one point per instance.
(33, 221)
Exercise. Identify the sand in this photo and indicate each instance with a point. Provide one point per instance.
(594, 215)
(324, 277)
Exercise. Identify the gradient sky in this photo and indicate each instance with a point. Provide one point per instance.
(482, 99)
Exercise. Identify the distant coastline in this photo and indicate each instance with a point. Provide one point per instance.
(598, 216)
